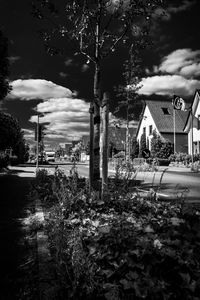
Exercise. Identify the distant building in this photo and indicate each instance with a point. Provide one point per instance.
(158, 115)
(192, 126)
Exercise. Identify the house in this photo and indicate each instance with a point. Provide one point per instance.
(159, 116)
(192, 126)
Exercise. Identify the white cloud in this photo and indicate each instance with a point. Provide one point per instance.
(13, 59)
(29, 89)
(183, 62)
(169, 85)
(178, 73)
(65, 118)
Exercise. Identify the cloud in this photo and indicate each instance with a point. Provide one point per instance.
(168, 85)
(184, 62)
(178, 73)
(65, 118)
(166, 14)
(28, 135)
(13, 59)
(84, 68)
(37, 89)
(68, 62)
(63, 75)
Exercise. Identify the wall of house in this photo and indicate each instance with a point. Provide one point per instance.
(147, 121)
(196, 134)
(181, 141)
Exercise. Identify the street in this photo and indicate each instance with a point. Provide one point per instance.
(175, 183)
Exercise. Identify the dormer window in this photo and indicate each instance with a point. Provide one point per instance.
(165, 111)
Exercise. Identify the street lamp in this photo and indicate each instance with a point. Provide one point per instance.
(37, 149)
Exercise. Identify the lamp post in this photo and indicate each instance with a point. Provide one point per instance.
(37, 149)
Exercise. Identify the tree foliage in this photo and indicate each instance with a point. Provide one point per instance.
(160, 147)
(143, 144)
(4, 64)
(95, 29)
(11, 136)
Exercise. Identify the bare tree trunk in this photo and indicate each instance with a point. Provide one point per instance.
(97, 121)
(105, 120)
(91, 110)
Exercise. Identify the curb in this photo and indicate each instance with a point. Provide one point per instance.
(46, 274)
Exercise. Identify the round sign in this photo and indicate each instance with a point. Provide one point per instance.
(146, 153)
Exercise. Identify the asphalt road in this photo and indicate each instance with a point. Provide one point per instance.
(176, 182)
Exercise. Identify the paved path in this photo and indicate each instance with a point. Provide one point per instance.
(13, 205)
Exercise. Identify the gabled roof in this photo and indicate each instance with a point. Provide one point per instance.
(165, 122)
(193, 110)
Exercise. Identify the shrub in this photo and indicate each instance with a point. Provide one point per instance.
(123, 247)
(163, 161)
(3, 160)
(13, 160)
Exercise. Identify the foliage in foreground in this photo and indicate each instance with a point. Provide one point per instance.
(125, 247)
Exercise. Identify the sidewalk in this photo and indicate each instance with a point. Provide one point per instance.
(14, 250)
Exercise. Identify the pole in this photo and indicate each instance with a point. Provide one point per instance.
(174, 115)
(192, 137)
(37, 158)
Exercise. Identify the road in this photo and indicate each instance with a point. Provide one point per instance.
(176, 182)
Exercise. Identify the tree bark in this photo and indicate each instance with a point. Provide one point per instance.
(91, 110)
(104, 150)
(96, 121)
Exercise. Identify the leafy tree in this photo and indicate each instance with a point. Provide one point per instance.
(143, 144)
(97, 28)
(166, 150)
(4, 63)
(160, 147)
(135, 148)
(11, 136)
(156, 143)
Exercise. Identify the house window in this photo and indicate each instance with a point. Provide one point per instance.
(144, 130)
(165, 111)
(150, 129)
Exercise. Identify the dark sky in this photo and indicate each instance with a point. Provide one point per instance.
(172, 64)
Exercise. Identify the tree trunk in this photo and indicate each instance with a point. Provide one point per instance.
(91, 110)
(104, 150)
(97, 121)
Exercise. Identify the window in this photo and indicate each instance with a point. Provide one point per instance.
(165, 110)
(144, 130)
(150, 129)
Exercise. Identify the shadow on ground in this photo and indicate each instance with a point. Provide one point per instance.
(14, 249)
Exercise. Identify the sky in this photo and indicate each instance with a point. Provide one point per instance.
(60, 87)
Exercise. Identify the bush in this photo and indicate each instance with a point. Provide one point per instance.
(3, 160)
(163, 161)
(184, 158)
(122, 247)
(13, 160)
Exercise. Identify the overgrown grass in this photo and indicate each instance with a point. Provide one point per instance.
(122, 246)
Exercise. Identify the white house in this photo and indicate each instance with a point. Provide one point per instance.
(192, 126)
(158, 115)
